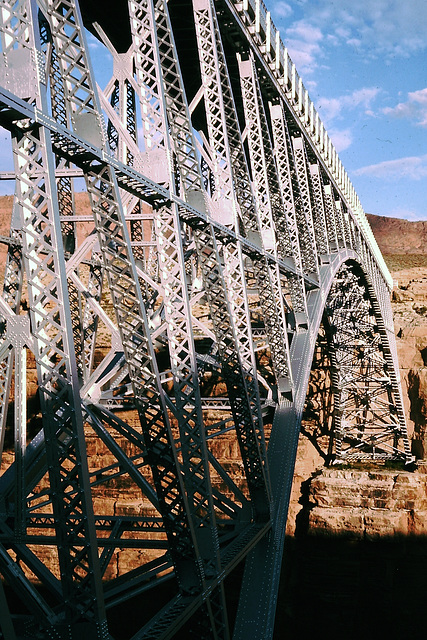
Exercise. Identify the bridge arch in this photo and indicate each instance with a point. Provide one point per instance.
(260, 585)
(363, 380)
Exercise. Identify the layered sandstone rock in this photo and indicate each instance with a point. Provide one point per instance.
(409, 302)
(367, 503)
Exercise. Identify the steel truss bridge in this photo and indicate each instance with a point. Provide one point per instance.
(223, 227)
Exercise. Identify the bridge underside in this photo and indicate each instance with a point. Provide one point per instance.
(171, 315)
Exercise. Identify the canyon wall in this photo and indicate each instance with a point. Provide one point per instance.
(396, 236)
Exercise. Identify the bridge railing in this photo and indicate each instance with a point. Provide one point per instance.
(266, 38)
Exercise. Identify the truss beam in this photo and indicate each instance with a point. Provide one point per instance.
(171, 323)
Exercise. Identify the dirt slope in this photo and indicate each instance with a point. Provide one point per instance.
(396, 236)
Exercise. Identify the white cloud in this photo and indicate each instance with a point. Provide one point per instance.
(378, 27)
(354, 42)
(303, 42)
(328, 108)
(94, 43)
(311, 85)
(412, 167)
(415, 108)
(342, 33)
(282, 10)
(341, 139)
(331, 108)
(405, 214)
(303, 30)
(363, 97)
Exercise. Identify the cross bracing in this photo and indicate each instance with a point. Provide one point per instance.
(171, 325)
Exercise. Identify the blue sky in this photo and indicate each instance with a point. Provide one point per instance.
(364, 64)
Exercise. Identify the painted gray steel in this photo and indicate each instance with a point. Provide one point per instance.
(224, 232)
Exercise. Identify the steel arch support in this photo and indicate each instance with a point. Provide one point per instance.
(368, 417)
(258, 599)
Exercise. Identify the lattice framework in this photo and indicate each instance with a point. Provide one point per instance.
(220, 226)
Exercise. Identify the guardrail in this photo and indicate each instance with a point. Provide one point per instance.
(266, 38)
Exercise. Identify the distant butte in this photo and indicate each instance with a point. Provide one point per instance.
(397, 236)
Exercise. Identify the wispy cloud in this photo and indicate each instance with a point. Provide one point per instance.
(415, 108)
(383, 27)
(304, 44)
(94, 43)
(341, 138)
(331, 108)
(413, 167)
(282, 10)
(405, 214)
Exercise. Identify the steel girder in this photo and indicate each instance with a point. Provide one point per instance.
(219, 230)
